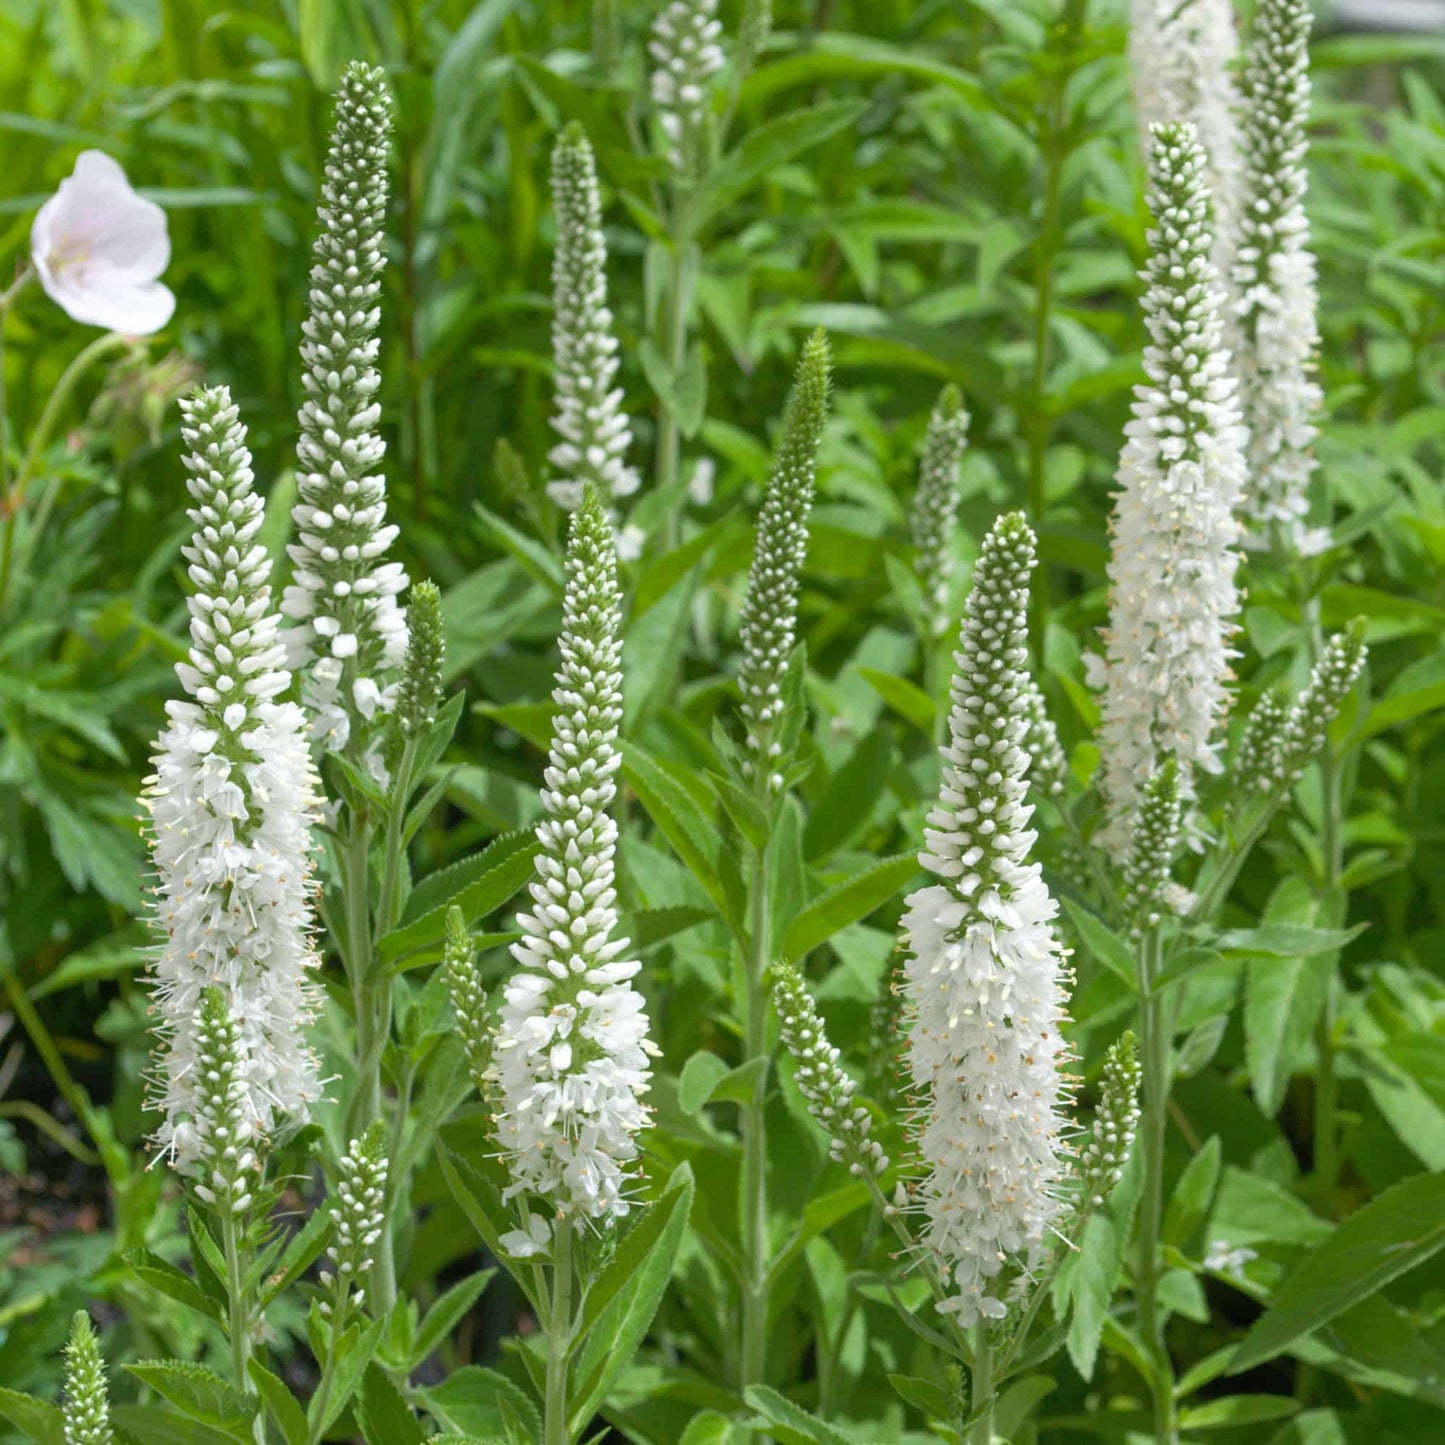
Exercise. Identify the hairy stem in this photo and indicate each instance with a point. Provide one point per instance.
(557, 1429)
(238, 1311)
(755, 1143)
(680, 264)
(983, 1388)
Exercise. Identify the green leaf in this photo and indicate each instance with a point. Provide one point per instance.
(790, 1424)
(385, 1418)
(629, 1290)
(1396, 1231)
(150, 1425)
(1193, 1194)
(164, 1276)
(846, 803)
(40, 1421)
(280, 1403)
(540, 564)
(443, 1317)
(357, 1347)
(846, 903)
(481, 1202)
(471, 1400)
(1285, 940)
(923, 1395)
(1235, 1410)
(909, 701)
(1104, 944)
(762, 151)
(198, 1392)
(700, 1075)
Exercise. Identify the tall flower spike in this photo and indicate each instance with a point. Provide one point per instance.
(589, 416)
(1304, 733)
(986, 975)
(86, 1409)
(1183, 55)
(359, 1211)
(231, 805)
(469, 998)
(1151, 852)
(350, 634)
(571, 1048)
(686, 59)
(1274, 275)
(1103, 1158)
(822, 1080)
(226, 1159)
(1166, 667)
(770, 609)
(933, 520)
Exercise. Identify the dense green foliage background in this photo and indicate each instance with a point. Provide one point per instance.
(968, 208)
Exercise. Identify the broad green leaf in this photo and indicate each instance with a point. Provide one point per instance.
(923, 1395)
(385, 1417)
(444, 1316)
(1104, 944)
(357, 1347)
(302, 1251)
(162, 1275)
(535, 559)
(790, 1424)
(1285, 940)
(1191, 1197)
(847, 902)
(471, 1400)
(198, 1392)
(846, 803)
(1235, 1410)
(700, 1075)
(1394, 1232)
(908, 700)
(40, 1421)
(280, 1403)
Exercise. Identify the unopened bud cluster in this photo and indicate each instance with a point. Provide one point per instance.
(469, 998)
(686, 56)
(1102, 1159)
(1306, 726)
(933, 521)
(421, 671)
(226, 1160)
(1151, 851)
(359, 1211)
(822, 1080)
(86, 1409)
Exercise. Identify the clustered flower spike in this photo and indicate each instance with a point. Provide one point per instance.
(359, 1212)
(1102, 1159)
(1255, 761)
(589, 416)
(933, 520)
(1147, 866)
(231, 806)
(1303, 735)
(469, 998)
(1165, 671)
(1049, 765)
(1274, 276)
(571, 1048)
(770, 609)
(226, 1160)
(686, 58)
(421, 669)
(350, 634)
(1182, 55)
(86, 1409)
(822, 1080)
(986, 975)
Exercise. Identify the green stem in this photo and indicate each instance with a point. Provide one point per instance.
(1154, 1048)
(755, 1143)
(54, 405)
(238, 1310)
(983, 1389)
(674, 340)
(557, 1429)
(389, 906)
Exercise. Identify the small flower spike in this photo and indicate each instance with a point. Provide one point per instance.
(421, 669)
(686, 59)
(1165, 673)
(571, 1050)
(1274, 277)
(823, 1082)
(469, 998)
(231, 803)
(1103, 1158)
(933, 521)
(350, 634)
(226, 1162)
(1257, 762)
(359, 1211)
(1304, 733)
(1151, 853)
(770, 609)
(595, 436)
(85, 1412)
(986, 975)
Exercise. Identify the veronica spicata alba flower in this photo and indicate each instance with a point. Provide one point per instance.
(350, 633)
(686, 59)
(1146, 871)
(933, 518)
(770, 609)
(231, 806)
(589, 416)
(1102, 1159)
(85, 1413)
(99, 250)
(359, 1212)
(986, 975)
(1182, 55)
(1165, 672)
(1274, 275)
(571, 1048)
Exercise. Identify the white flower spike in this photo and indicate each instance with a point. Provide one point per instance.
(571, 1048)
(350, 635)
(1165, 672)
(986, 976)
(231, 803)
(686, 59)
(99, 250)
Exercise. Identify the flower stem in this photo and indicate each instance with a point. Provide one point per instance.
(680, 257)
(755, 1143)
(557, 1430)
(238, 1313)
(983, 1388)
(1154, 1048)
